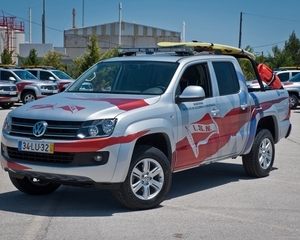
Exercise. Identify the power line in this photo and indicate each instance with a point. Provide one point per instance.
(271, 44)
(34, 22)
(284, 19)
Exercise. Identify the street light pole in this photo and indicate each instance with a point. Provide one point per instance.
(240, 34)
(82, 13)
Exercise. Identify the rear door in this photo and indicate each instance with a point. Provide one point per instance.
(232, 103)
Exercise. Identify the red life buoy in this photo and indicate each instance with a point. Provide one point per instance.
(268, 76)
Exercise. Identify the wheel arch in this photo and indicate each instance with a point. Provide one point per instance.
(270, 123)
(159, 133)
(159, 140)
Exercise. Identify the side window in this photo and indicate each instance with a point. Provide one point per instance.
(45, 75)
(283, 76)
(34, 72)
(226, 77)
(5, 75)
(196, 75)
(294, 73)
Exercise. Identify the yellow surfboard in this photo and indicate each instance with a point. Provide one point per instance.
(204, 46)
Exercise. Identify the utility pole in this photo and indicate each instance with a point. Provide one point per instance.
(120, 23)
(82, 13)
(240, 34)
(43, 24)
(183, 32)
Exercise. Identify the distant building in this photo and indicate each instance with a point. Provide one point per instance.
(132, 35)
(110, 35)
(11, 35)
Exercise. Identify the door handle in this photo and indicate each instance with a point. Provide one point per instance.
(215, 111)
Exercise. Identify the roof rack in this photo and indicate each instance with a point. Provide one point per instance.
(129, 51)
(38, 66)
(7, 66)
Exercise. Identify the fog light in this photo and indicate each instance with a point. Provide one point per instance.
(98, 158)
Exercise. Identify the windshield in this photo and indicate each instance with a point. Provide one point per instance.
(296, 78)
(25, 75)
(128, 77)
(61, 75)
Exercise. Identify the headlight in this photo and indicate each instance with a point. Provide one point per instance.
(7, 124)
(97, 128)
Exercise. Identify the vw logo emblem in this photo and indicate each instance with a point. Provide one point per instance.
(39, 128)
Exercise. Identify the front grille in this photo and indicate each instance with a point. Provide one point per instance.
(57, 130)
(8, 88)
(56, 158)
(50, 87)
(48, 93)
(8, 95)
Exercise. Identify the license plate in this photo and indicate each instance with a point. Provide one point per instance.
(55, 91)
(13, 93)
(30, 146)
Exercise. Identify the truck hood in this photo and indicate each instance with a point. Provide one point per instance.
(82, 106)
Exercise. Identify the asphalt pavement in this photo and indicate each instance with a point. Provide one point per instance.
(217, 201)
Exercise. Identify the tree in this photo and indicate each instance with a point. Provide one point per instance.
(92, 54)
(6, 57)
(53, 59)
(292, 48)
(32, 59)
(280, 58)
(247, 67)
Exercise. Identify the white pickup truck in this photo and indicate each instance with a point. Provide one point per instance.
(146, 117)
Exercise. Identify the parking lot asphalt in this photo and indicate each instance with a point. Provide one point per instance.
(216, 201)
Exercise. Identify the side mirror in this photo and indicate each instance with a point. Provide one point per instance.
(52, 78)
(191, 94)
(11, 79)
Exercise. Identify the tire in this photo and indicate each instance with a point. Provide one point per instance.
(293, 101)
(28, 97)
(33, 186)
(259, 161)
(7, 105)
(148, 180)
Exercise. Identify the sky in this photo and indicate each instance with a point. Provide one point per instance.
(260, 24)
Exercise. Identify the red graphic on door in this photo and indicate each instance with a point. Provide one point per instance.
(199, 133)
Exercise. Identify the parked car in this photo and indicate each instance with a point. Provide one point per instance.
(293, 89)
(86, 86)
(8, 94)
(29, 87)
(286, 75)
(57, 76)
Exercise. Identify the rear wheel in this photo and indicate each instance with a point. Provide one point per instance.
(148, 179)
(6, 105)
(33, 186)
(28, 97)
(293, 101)
(259, 161)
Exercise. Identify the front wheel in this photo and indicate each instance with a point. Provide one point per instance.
(259, 161)
(148, 180)
(33, 186)
(293, 101)
(28, 97)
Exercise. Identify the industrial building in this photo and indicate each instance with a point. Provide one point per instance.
(115, 34)
(110, 35)
(11, 35)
